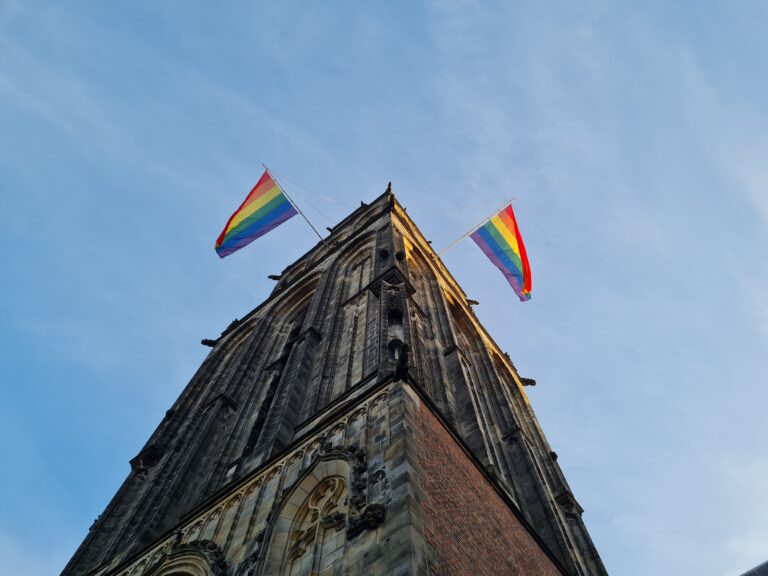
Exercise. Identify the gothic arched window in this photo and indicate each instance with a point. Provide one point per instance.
(308, 532)
(317, 537)
(196, 558)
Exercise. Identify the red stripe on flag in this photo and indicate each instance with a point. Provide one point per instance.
(264, 178)
(527, 282)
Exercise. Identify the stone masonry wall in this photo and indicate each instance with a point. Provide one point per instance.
(248, 528)
(358, 453)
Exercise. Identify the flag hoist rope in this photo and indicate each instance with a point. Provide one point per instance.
(451, 245)
(284, 186)
(292, 201)
(323, 196)
(468, 232)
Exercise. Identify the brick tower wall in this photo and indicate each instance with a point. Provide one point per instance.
(470, 528)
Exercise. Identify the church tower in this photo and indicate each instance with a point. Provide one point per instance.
(360, 421)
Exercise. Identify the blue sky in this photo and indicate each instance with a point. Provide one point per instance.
(634, 137)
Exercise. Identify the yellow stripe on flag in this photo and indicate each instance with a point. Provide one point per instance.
(253, 207)
(506, 233)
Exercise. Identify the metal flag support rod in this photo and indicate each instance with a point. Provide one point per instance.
(293, 203)
(468, 232)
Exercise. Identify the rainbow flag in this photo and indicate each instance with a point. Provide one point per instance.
(264, 209)
(501, 241)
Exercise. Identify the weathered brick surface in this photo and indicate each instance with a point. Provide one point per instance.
(472, 531)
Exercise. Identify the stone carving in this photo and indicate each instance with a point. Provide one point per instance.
(252, 488)
(357, 497)
(358, 485)
(195, 530)
(210, 551)
(323, 510)
(248, 566)
(371, 518)
(139, 569)
(568, 503)
(156, 557)
(337, 520)
(378, 476)
(378, 400)
(274, 472)
(147, 458)
(233, 501)
(361, 516)
(379, 486)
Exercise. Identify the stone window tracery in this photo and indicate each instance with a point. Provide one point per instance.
(317, 536)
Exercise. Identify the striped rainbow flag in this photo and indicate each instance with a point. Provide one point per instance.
(501, 241)
(264, 209)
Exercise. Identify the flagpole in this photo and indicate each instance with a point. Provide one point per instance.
(292, 202)
(468, 232)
